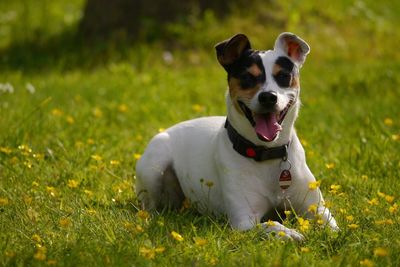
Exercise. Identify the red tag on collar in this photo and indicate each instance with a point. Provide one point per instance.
(285, 180)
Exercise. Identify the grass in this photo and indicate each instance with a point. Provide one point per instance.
(74, 120)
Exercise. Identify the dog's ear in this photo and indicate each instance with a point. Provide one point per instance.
(293, 46)
(230, 50)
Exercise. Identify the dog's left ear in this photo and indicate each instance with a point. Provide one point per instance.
(230, 50)
(293, 46)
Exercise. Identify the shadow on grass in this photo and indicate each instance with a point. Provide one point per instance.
(64, 52)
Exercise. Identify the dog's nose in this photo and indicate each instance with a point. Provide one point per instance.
(268, 98)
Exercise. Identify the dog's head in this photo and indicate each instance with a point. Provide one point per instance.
(264, 85)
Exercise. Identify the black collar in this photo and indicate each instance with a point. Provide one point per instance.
(249, 150)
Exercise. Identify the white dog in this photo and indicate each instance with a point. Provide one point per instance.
(249, 163)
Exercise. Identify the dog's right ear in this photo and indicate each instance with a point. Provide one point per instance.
(230, 50)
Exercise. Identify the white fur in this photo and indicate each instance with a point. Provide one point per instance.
(199, 156)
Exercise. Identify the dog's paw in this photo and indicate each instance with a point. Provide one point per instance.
(282, 232)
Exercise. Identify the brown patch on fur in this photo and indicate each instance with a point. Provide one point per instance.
(295, 83)
(276, 69)
(254, 70)
(237, 93)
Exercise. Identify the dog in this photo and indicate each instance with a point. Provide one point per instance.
(250, 162)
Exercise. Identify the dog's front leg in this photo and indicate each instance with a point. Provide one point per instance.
(246, 210)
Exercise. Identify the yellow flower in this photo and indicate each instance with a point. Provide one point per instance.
(364, 177)
(139, 229)
(40, 253)
(314, 185)
(330, 165)
(281, 234)
(373, 202)
(96, 157)
(51, 190)
(200, 241)
(142, 214)
(70, 119)
(395, 137)
(305, 249)
(287, 212)
(122, 108)
(5, 150)
(270, 223)
(335, 188)
(393, 209)
(148, 253)
(197, 108)
(312, 208)
(72, 183)
(380, 252)
(176, 236)
(137, 156)
(88, 193)
(304, 224)
(36, 238)
(90, 141)
(384, 222)
(38, 156)
(367, 263)
(159, 249)
(389, 199)
(57, 112)
(353, 226)
(388, 121)
(115, 162)
(64, 222)
(4, 201)
(97, 112)
(350, 218)
(91, 211)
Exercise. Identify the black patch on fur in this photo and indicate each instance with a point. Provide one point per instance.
(238, 69)
(284, 77)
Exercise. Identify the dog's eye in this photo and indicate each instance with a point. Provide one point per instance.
(283, 79)
(247, 80)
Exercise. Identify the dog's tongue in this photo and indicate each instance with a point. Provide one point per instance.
(267, 127)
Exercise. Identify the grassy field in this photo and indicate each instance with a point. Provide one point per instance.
(74, 119)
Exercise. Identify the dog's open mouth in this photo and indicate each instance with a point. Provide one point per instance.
(267, 125)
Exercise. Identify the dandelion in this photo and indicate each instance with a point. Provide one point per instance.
(197, 108)
(373, 202)
(97, 112)
(142, 214)
(40, 253)
(393, 209)
(88, 193)
(3, 201)
(334, 189)
(36, 238)
(382, 195)
(139, 229)
(122, 108)
(353, 226)
(395, 137)
(137, 156)
(270, 223)
(305, 249)
(5, 150)
(176, 236)
(389, 199)
(314, 185)
(147, 253)
(384, 222)
(72, 183)
(304, 224)
(51, 190)
(380, 252)
(312, 208)
(96, 157)
(350, 218)
(367, 263)
(70, 119)
(330, 165)
(281, 234)
(388, 121)
(115, 162)
(200, 241)
(64, 222)
(57, 112)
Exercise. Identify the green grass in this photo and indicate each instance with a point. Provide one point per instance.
(67, 151)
